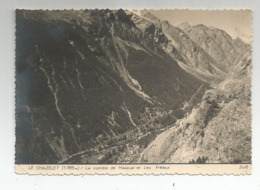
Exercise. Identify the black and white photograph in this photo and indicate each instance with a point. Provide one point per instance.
(126, 86)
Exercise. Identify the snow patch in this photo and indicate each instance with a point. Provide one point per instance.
(121, 67)
(80, 84)
(111, 119)
(129, 115)
(72, 43)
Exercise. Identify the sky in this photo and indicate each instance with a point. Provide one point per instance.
(237, 23)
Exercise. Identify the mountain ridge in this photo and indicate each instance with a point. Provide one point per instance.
(99, 85)
(191, 51)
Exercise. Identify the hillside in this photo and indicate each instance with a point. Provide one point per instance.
(98, 86)
(216, 131)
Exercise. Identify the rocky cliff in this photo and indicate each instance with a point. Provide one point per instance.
(218, 130)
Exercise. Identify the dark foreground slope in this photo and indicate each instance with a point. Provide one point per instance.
(92, 82)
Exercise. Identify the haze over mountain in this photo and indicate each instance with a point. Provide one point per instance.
(237, 23)
(97, 86)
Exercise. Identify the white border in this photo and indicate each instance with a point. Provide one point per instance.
(10, 180)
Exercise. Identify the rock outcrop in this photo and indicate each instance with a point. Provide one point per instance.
(218, 130)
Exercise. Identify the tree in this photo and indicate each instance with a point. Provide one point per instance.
(204, 159)
(192, 161)
(199, 161)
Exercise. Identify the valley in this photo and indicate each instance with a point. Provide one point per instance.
(123, 86)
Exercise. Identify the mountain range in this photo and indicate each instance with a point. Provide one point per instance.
(121, 86)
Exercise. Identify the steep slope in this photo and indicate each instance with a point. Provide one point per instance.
(88, 81)
(216, 43)
(190, 55)
(218, 130)
(195, 57)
